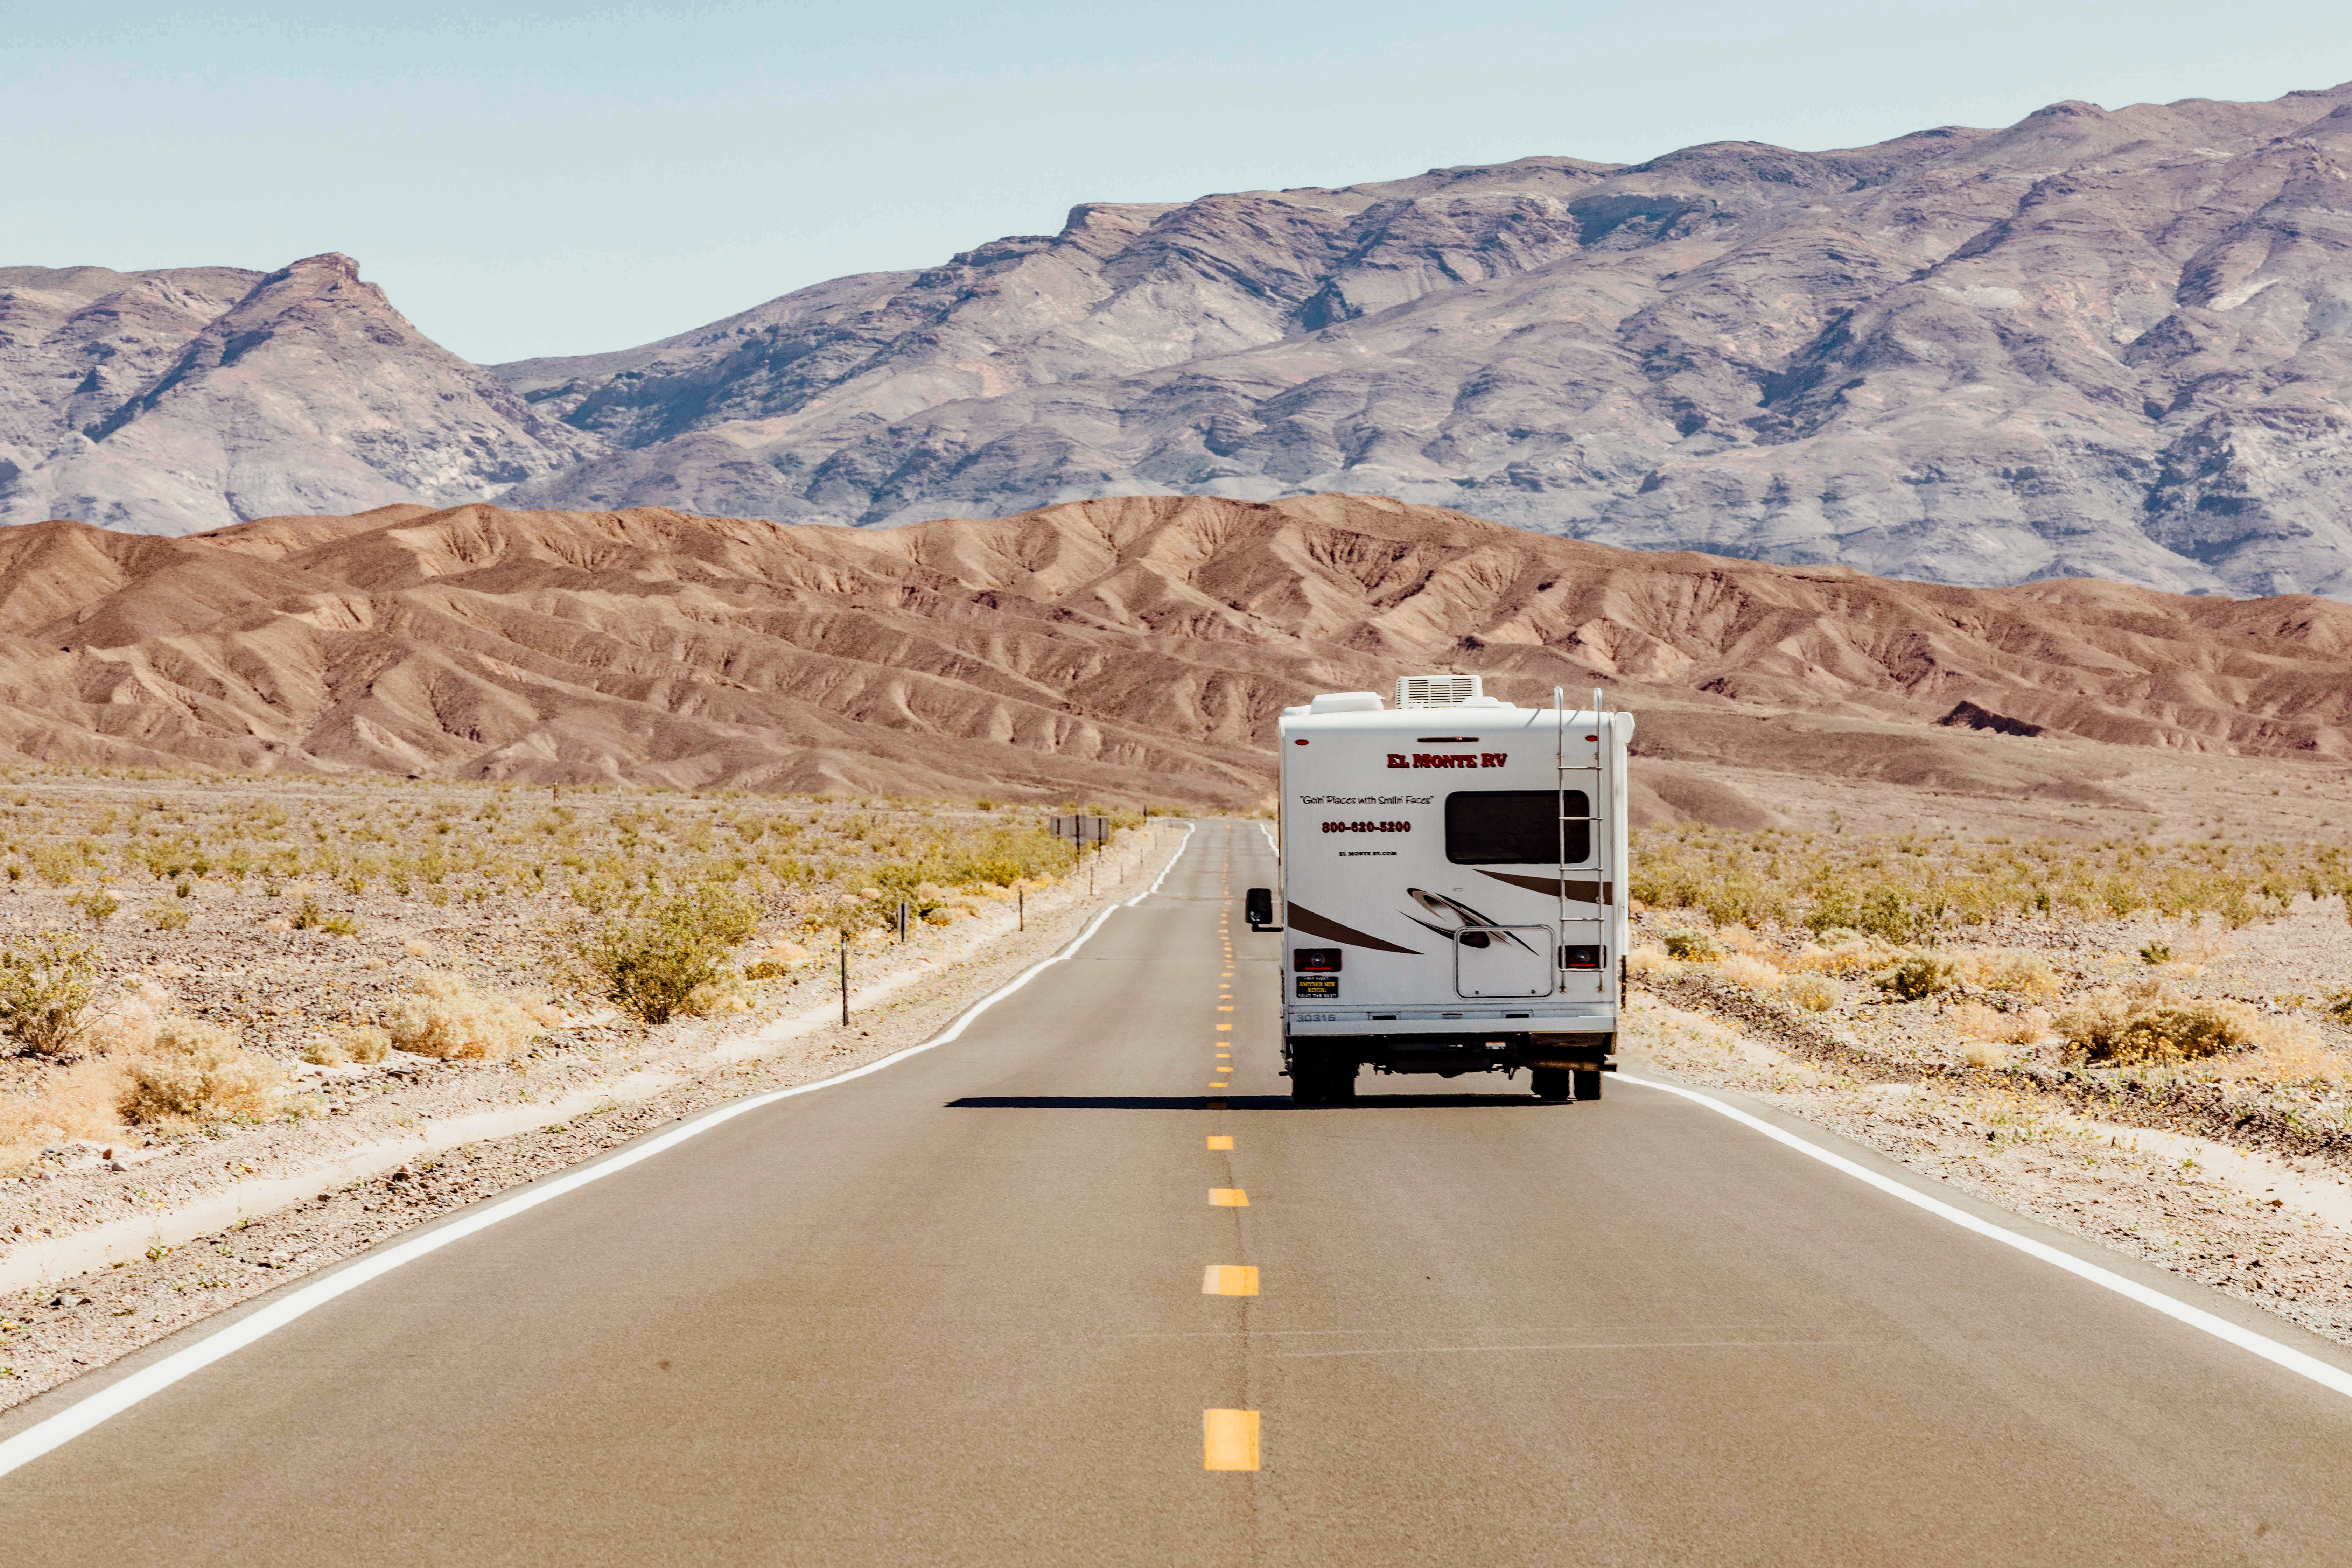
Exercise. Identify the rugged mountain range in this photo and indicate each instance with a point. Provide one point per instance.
(1138, 648)
(2095, 344)
(190, 398)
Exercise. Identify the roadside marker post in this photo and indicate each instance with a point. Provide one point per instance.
(844, 980)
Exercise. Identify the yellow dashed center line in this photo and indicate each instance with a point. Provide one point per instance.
(1220, 1140)
(1229, 1280)
(1229, 1197)
(1229, 1439)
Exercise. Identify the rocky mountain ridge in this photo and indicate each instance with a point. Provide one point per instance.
(190, 398)
(2095, 344)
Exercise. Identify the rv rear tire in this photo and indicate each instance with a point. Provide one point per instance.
(1588, 1084)
(1321, 1082)
(1550, 1083)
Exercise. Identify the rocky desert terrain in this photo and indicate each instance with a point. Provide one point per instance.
(2095, 344)
(1140, 649)
(311, 1012)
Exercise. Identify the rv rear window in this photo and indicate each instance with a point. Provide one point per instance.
(1516, 827)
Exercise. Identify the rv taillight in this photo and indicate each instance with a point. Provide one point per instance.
(1315, 961)
(1579, 958)
(1298, 743)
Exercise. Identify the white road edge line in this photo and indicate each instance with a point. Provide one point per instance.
(2270, 1350)
(76, 1419)
(1146, 893)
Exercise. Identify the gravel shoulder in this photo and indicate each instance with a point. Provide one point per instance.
(2268, 1225)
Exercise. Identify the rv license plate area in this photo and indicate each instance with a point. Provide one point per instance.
(1320, 986)
(1504, 960)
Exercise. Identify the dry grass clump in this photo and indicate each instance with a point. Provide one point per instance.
(2012, 970)
(724, 994)
(441, 1014)
(1754, 974)
(2289, 1051)
(361, 1043)
(1974, 1021)
(1646, 960)
(1844, 952)
(85, 1100)
(2147, 1024)
(196, 1071)
(124, 1023)
(1815, 993)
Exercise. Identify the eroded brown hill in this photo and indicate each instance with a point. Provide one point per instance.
(1134, 647)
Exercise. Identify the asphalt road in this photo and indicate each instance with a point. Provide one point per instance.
(954, 1312)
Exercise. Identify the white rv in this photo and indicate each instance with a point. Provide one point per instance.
(1452, 887)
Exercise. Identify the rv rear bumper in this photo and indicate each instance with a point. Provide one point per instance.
(1451, 1054)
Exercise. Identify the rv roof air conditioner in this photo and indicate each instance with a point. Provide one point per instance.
(1438, 690)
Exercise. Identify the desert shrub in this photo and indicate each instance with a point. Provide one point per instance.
(46, 981)
(1984, 1054)
(2156, 953)
(766, 969)
(1815, 993)
(55, 864)
(1917, 977)
(441, 1014)
(98, 906)
(1692, 944)
(1754, 974)
(2111, 1027)
(310, 917)
(2339, 1002)
(2021, 973)
(196, 1071)
(167, 917)
(649, 959)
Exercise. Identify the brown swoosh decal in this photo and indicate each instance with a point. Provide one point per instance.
(1314, 924)
(1582, 892)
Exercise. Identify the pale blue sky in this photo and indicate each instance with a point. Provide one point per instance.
(544, 178)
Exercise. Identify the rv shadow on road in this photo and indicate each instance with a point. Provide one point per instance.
(1239, 1102)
